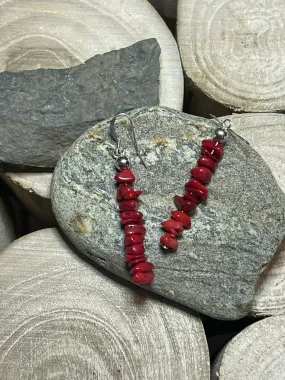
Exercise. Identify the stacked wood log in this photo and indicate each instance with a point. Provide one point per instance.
(232, 54)
(61, 317)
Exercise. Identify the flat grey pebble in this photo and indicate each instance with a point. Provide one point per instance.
(233, 234)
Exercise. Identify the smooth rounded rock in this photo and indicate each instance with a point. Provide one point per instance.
(233, 233)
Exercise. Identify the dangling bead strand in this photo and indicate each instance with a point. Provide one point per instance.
(132, 221)
(196, 192)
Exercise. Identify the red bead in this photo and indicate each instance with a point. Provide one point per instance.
(181, 217)
(198, 193)
(125, 176)
(140, 259)
(183, 205)
(168, 241)
(207, 162)
(133, 239)
(134, 257)
(208, 153)
(173, 232)
(197, 185)
(134, 229)
(135, 249)
(130, 205)
(125, 191)
(216, 150)
(174, 224)
(143, 278)
(202, 174)
(191, 197)
(142, 267)
(124, 222)
(131, 215)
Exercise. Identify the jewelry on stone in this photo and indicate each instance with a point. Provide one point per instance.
(196, 192)
(131, 220)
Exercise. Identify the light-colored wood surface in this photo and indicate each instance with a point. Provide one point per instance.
(64, 33)
(257, 353)
(234, 51)
(7, 232)
(266, 133)
(60, 318)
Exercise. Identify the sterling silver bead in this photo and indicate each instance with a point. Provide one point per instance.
(221, 134)
(122, 162)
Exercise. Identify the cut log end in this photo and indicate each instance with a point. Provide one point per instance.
(61, 315)
(231, 56)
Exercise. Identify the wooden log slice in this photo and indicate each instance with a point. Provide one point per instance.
(233, 52)
(61, 318)
(57, 34)
(257, 353)
(266, 133)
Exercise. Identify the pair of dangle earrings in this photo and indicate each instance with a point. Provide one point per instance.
(195, 192)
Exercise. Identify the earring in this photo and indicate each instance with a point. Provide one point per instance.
(131, 220)
(196, 192)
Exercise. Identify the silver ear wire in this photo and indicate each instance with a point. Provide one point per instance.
(222, 131)
(118, 151)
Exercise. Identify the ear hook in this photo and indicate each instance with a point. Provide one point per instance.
(115, 136)
(226, 124)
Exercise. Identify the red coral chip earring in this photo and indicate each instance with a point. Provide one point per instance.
(131, 220)
(196, 192)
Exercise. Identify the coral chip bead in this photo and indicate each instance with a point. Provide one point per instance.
(181, 217)
(197, 192)
(125, 191)
(125, 176)
(135, 257)
(133, 239)
(130, 205)
(134, 229)
(191, 197)
(135, 249)
(143, 278)
(131, 215)
(167, 241)
(215, 150)
(124, 222)
(202, 174)
(184, 205)
(173, 224)
(136, 261)
(207, 162)
(197, 185)
(173, 232)
(142, 267)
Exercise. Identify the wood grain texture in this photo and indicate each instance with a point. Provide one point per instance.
(233, 51)
(257, 353)
(60, 318)
(266, 133)
(7, 232)
(64, 33)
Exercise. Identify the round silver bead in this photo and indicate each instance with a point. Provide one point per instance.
(221, 134)
(122, 162)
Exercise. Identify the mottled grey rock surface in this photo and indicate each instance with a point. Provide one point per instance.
(43, 111)
(233, 234)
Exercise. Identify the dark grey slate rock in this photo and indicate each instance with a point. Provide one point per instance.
(233, 234)
(43, 111)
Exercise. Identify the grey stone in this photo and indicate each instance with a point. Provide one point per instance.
(42, 112)
(233, 234)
